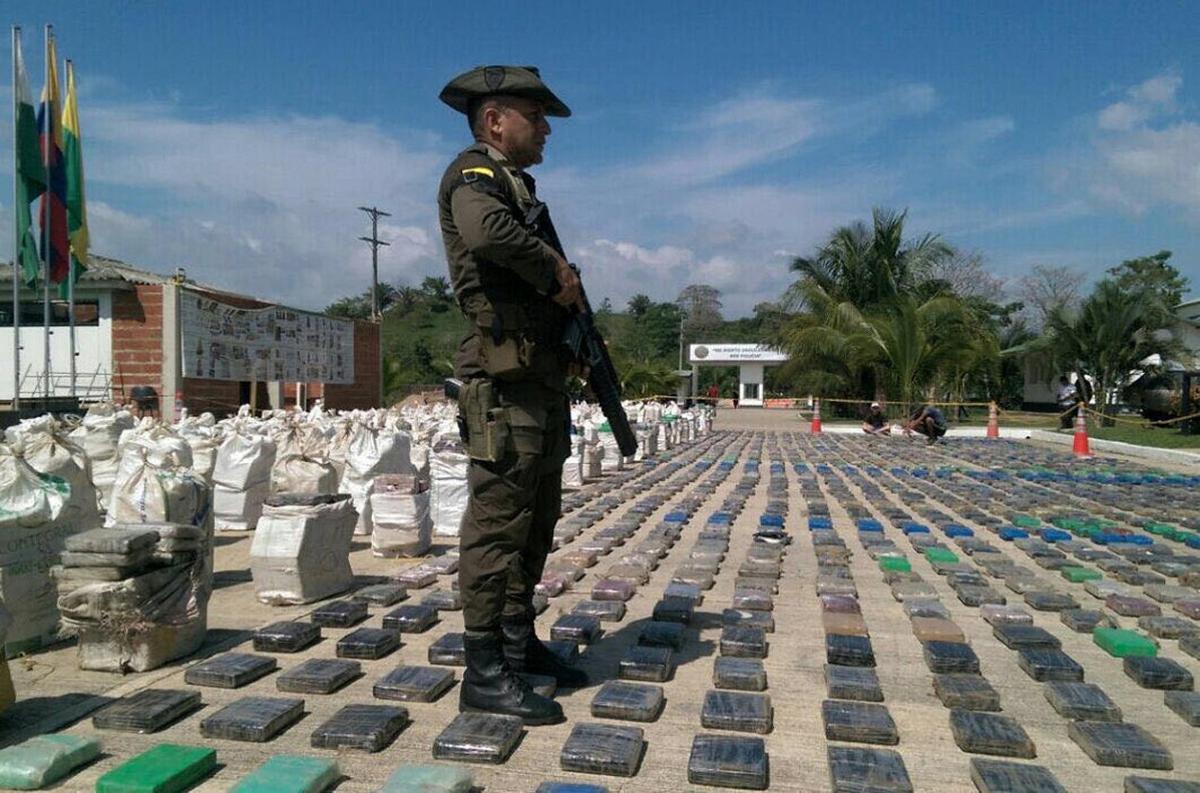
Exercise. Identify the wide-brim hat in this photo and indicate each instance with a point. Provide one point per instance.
(524, 81)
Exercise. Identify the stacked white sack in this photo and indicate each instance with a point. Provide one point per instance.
(572, 475)
(448, 483)
(301, 465)
(98, 435)
(35, 519)
(371, 452)
(153, 485)
(301, 549)
(47, 447)
(401, 524)
(242, 479)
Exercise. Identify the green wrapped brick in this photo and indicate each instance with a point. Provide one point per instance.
(428, 779)
(287, 773)
(44, 759)
(941, 555)
(1123, 643)
(167, 768)
(894, 563)
(1026, 522)
(1077, 574)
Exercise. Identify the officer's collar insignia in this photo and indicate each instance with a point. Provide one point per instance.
(493, 77)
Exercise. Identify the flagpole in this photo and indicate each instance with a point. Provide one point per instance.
(47, 213)
(71, 289)
(16, 288)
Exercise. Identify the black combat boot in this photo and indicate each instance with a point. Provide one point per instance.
(525, 652)
(490, 686)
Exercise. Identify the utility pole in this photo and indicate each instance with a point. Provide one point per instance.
(375, 242)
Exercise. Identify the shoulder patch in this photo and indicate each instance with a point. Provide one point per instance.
(471, 174)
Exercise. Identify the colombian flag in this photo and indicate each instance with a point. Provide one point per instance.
(76, 206)
(53, 214)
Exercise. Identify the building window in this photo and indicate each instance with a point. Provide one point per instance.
(87, 313)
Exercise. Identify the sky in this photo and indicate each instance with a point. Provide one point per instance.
(711, 142)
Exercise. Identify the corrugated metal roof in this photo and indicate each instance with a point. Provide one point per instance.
(101, 268)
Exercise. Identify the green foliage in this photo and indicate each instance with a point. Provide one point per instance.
(876, 319)
(1112, 334)
(1153, 273)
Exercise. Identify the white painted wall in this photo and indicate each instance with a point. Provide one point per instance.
(750, 374)
(93, 361)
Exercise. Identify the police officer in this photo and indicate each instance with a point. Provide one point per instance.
(516, 291)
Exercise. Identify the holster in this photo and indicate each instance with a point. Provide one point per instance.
(484, 422)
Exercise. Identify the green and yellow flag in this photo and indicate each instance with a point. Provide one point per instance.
(31, 172)
(77, 227)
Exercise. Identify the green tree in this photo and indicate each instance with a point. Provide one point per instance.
(868, 267)
(1153, 273)
(638, 305)
(436, 288)
(1115, 333)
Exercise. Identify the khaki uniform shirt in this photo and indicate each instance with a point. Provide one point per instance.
(502, 274)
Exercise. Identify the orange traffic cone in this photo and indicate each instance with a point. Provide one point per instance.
(815, 427)
(993, 427)
(1081, 448)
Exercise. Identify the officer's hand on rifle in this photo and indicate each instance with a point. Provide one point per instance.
(568, 284)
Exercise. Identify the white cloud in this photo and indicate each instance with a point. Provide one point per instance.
(1143, 101)
(1142, 154)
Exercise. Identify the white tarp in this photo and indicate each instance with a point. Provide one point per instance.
(301, 552)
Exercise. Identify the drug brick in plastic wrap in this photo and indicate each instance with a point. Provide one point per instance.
(369, 728)
(301, 549)
(603, 749)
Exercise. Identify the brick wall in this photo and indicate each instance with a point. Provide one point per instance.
(137, 340)
(364, 391)
(219, 397)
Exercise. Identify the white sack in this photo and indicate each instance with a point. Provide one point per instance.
(448, 488)
(238, 510)
(301, 552)
(401, 524)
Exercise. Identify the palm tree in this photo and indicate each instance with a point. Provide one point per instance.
(869, 267)
(1115, 333)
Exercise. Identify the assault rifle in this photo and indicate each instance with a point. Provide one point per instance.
(585, 343)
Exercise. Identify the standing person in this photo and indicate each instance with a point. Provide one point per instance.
(516, 292)
(713, 394)
(928, 421)
(1067, 397)
(876, 422)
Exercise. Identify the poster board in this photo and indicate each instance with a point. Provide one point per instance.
(222, 341)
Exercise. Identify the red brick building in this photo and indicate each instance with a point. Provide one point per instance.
(131, 332)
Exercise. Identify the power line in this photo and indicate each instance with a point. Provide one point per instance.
(375, 242)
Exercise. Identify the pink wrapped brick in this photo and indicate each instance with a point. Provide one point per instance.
(613, 589)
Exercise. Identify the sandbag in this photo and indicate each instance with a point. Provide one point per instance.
(98, 435)
(448, 491)
(301, 549)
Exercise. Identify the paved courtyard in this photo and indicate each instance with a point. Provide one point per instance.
(938, 510)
